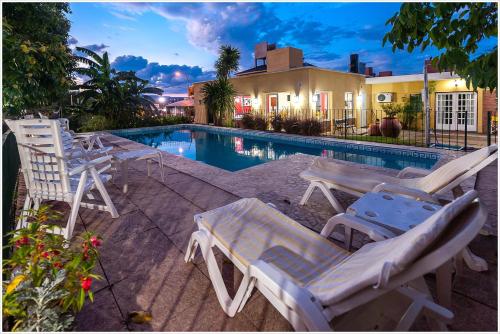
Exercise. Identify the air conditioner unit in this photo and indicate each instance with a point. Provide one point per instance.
(384, 97)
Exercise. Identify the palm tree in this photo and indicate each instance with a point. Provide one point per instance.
(218, 99)
(122, 97)
(228, 61)
(218, 95)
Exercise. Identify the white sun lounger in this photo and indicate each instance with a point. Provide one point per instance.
(314, 283)
(326, 175)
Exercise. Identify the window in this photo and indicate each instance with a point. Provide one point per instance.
(242, 105)
(348, 101)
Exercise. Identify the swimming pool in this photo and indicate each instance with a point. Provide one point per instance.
(234, 150)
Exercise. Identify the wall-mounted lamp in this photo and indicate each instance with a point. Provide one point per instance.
(296, 99)
(255, 102)
(315, 98)
(456, 83)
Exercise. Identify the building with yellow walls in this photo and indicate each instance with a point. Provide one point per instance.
(281, 81)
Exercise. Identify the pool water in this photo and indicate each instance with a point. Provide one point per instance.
(236, 152)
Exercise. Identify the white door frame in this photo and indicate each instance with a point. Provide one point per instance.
(450, 111)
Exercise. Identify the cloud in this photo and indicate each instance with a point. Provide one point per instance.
(172, 78)
(98, 48)
(123, 16)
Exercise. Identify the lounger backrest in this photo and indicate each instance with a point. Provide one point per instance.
(453, 169)
(387, 258)
(41, 150)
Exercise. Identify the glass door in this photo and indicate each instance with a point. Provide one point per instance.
(452, 109)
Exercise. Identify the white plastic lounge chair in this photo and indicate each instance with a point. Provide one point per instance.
(326, 175)
(49, 175)
(314, 283)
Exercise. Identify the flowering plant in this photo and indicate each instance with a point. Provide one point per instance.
(47, 281)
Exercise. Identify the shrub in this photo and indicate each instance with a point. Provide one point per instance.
(46, 281)
(95, 123)
(277, 123)
(310, 127)
(260, 123)
(247, 121)
(291, 125)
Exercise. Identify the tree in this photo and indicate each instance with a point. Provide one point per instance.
(218, 95)
(228, 61)
(37, 61)
(456, 30)
(121, 97)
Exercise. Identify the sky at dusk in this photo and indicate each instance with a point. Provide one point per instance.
(159, 39)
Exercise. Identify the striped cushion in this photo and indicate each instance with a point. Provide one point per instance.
(250, 229)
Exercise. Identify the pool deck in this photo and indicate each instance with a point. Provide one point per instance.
(142, 256)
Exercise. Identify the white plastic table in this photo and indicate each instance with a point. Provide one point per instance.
(122, 158)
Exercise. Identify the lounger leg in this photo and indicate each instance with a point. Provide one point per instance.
(230, 306)
(444, 284)
(124, 167)
(308, 193)
(110, 207)
(148, 163)
(333, 201)
(473, 261)
(75, 206)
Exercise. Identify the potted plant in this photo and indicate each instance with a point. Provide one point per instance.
(374, 129)
(390, 126)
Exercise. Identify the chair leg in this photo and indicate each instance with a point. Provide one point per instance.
(308, 193)
(160, 161)
(21, 223)
(75, 206)
(110, 207)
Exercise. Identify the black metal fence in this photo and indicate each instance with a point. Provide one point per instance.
(10, 172)
(406, 127)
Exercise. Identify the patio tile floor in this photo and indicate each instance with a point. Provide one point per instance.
(142, 256)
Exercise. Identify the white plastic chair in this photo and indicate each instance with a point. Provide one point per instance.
(50, 175)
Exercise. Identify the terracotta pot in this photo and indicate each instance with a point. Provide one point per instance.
(374, 130)
(390, 127)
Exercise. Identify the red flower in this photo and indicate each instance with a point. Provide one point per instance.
(22, 241)
(58, 265)
(40, 247)
(45, 255)
(56, 252)
(86, 283)
(94, 241)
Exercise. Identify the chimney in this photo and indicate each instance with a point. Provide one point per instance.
(354, 63)
(385, 73)
(369, 71)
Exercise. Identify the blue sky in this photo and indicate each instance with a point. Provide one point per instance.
(159, 39)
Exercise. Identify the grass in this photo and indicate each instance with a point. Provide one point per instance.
(383, 140)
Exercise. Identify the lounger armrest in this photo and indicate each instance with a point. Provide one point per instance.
(401, 190)
(413, 170)
(297, 298)
(89, 164)
(375, 232)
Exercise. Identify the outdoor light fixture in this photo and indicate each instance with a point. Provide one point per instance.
(296, 99)
(255, 101)
(161, 99)
(181, 150)
(456, 82)
(315, 98)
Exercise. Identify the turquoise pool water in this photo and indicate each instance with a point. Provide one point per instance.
(234, 152)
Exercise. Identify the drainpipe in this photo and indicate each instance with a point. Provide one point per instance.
(427, 108)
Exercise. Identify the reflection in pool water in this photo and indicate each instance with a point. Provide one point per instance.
(235, 153)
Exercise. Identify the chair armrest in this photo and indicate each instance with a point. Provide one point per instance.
(413, 170)
(89, 164)
(401, 190)
(374, 231)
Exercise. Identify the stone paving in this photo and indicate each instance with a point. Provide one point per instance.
(142, 256)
